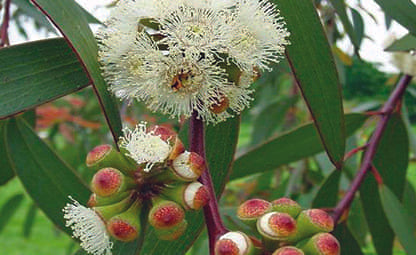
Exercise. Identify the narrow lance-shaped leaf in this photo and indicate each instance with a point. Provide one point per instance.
(399, 219)
(289, 147)
(405, 43)
(391, 161)
(349, 245)
(313, 66)
(327, 195)
(46, 178)
(403, 11)
(80, 37)
(34, 73)
(6, 170)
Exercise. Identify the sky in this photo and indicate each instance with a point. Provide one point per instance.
(371, 49)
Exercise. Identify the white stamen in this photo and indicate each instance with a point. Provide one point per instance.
(88, 227)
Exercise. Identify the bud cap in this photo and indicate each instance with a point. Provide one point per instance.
(233, 243)
(288, 250)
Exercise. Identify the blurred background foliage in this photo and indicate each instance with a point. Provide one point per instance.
(74, 124)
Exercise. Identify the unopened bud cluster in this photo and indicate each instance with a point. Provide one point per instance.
(152, 171)
(286, 229)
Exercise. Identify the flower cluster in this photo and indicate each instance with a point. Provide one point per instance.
(286, 230)
(152, 171)
(181, 56)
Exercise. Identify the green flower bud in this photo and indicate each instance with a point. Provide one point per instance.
(165, 214)
(321, 244)
(110, 181)
(277, 226)
(252, 209)
(192, 195)
(96, 200)
(286, 205)
(288, 250)
(234, 243)
(312, 221)
(172, 233)
(106, 156)
(108, 211)
(126, 226)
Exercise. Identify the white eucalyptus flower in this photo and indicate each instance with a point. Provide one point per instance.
(405, 62)
(144, 146)
(181, 56)
(88, 227)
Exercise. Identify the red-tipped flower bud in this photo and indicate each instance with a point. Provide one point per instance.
(190, 195)
(252, 209)
(106, 156)
(188, 166)
(288, 250)
(173, 233)
(321, 244)
(277, 226)
(313, 221)
(126, 226)
(109, 181)
(234, 243)
(287, 205)
(166, 214)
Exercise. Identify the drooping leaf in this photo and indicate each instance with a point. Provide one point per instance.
(405, 43)
(289, 147)
(316, 74)
(80, 37)
(38, 72)
(399, 219)
(6, 170)
(349, 244)
(358, 22)
(391, 161)
(46, 178)
(29, 220)
(327, 195)
(341, 10)
(9, 208)
(402, 11)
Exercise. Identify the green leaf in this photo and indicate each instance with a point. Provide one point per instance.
(391, 161)
(327, 195)
(402, 11)
(290, 147)
(313, 65)
(46, 178)
(341, 10)
(399, 219)
(405, 43)
(358, 22)
(80, 37)
(6, 170)
(221, 141)
(29, 220)
(349, 245)
(8, 209)
(269, 119)
(29, 10)
(38, 72)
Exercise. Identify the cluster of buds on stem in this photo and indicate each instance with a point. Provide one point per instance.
(153, 174)
(285, 228)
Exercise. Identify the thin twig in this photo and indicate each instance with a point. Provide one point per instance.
(213, 220)
(371, 150)
(4, 35)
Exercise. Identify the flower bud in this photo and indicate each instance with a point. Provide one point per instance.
(277, 226)
(106, 156)
(173, 233)
(288, 250)
(96, 200)
(108, 211)
(312, 221)
(192, 195)
(109, 181)
(321, 244)
(165, 214)
(187, 167)
(286, 205)
(252, 209)
(126, 226)
(234, 243)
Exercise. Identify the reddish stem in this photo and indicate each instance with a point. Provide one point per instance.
(377, 175)
(354, 151)
(371, 150)
(213, 220)
(4, 35)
